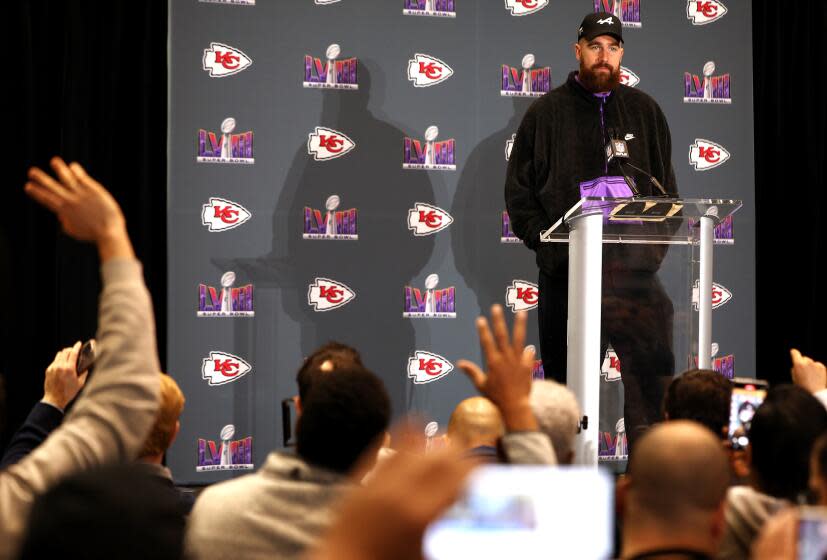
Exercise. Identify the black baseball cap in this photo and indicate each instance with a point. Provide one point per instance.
(600, 23)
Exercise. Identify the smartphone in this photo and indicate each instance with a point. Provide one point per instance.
(812, 533)
(510, 511)
(747, 396)
(86, 356)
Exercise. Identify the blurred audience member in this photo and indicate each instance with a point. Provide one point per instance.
(163, 433)
(325, 359)
(701, 395)
(120, 402)
(60, 387)
(109, 512)
(386, 519)
(283, 508)
(474, 428)
(507, 383)
(672, 498)
(818, 470)
(781, 436)
(558, 414)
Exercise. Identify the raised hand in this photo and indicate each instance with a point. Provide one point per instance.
(508, 380)
(85, 209)
(62, 383)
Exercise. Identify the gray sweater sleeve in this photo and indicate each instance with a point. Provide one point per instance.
(113, 417)
(528, 448)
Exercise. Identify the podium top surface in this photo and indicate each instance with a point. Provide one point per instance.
(648, 220)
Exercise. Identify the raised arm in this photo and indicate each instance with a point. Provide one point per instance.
(110, 421)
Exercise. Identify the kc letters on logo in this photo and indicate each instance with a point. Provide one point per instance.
(425, 367)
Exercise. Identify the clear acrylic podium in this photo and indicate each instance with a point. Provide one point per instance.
(597, 223)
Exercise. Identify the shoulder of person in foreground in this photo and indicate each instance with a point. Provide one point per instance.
(109, 423)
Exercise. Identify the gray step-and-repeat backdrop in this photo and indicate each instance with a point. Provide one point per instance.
(336, 172)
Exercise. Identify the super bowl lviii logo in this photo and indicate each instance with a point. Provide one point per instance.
(226, 302)
(531, 82)
(325, 294)
(435, 8)
(228, 455)
(628, 78)
(522, 296)
(220, 368)
(525, 7)
(228, 147)
(433, 155)
(325, 144)
(425, 219)
(710, 89)
(432, 303)
(220, 214)
(425, 367)
(331, 74)
(425, 70)
(702, 12)
(507, 235)
(706, 154)
(720, 295)
(335, 224)
(627, 11)
(222, 60)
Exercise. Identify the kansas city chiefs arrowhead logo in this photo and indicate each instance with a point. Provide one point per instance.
(424, 219)
(424, 367)
(522, 295)
(720, 295)
(610, 368)
(220, 368)
(706, 154)
(425, 70)
(223, 60)
(325, 294)
(509, 145)
(701, 12)
(525, 7)
(325, 143)
(220, 214)
(628, 78)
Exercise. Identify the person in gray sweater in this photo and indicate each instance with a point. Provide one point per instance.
(117, 409)
(283, 508)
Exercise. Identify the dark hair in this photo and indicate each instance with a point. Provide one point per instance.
(701, 395)
(117, 511)
(346, 411)
(340, 354)
(820, 453)
(781, 436)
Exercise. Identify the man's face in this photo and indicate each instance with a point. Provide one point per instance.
(599, 63)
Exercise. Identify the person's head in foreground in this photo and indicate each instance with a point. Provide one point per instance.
(702, 395)
(167, 425)
(109, 512)
(783, 432)
(475, 426)
(818, 470)
(323, 360)
(344, 416)
(558, 414)
(673, 494)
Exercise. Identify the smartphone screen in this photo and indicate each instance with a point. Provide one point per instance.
(527, 512)
(812, 534)
(745, 401)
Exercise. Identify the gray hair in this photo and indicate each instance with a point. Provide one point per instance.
(558, 414)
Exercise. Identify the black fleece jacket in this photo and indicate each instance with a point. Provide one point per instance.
(560, 144)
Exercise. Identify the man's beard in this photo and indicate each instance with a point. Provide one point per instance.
(599, 83)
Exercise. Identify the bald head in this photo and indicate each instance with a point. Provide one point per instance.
(475, 422)
(678, 471)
